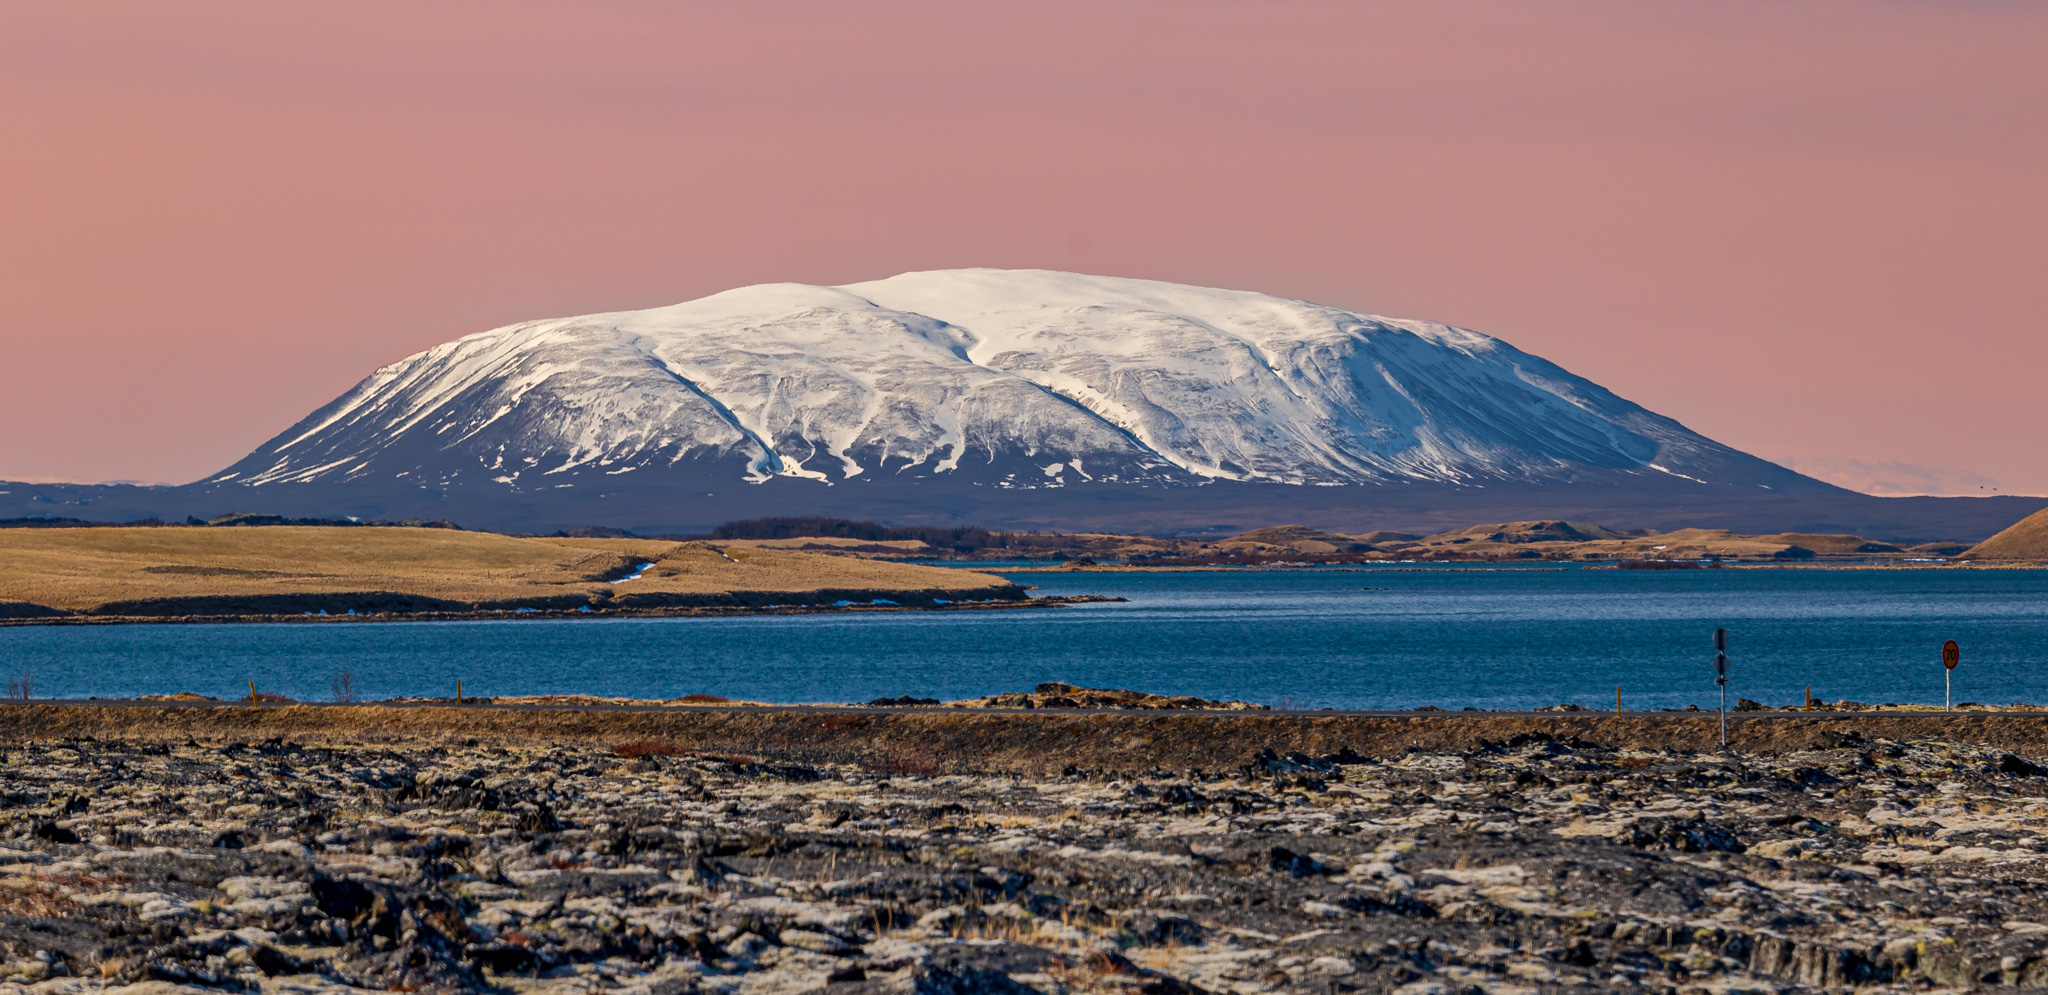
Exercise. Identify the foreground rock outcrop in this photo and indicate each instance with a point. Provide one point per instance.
(1059, 694)
(1530, 863)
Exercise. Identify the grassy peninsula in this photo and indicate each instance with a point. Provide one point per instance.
(293, 570)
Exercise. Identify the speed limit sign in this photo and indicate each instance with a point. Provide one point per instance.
(1951, 654)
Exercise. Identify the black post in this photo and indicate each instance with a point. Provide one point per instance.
(1721, 678)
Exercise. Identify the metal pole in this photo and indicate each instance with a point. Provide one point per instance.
(1951, 654)
(1721, 678)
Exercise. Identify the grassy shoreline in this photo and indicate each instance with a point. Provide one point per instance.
(989, 740)
(710, 611)
(1447, 565)
(310, 571)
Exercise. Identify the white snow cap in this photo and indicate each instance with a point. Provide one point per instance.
(1009, 377)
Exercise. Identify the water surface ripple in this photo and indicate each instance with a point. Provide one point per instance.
(1376, 638)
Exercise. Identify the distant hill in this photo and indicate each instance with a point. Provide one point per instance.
(1215, 510)
(2026, 539)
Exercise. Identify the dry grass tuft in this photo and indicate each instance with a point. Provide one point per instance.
(648, 747)
(36, 901)
(913, 763)
(700, 698)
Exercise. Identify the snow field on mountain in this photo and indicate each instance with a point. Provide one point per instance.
(1005, 377)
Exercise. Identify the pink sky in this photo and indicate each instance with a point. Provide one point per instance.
(1815, 231)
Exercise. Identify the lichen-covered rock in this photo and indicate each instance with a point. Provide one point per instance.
(1535, 863)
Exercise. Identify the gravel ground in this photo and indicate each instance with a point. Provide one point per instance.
(1528, 865)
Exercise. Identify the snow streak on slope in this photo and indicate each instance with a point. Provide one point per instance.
(1010, 378)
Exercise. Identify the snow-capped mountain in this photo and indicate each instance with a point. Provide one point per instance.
(1000, 379)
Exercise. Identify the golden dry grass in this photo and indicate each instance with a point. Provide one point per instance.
(2026, 539)
(895, 546)
(1548, 540)
(1566, 541)
(748, 565)
(29, 897)
(645, 549)
(81, 569)
(1287, 537)
(1677, 545)
(1824, 544)
(696, 568)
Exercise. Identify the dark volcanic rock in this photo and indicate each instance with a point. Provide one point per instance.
(1534, 862)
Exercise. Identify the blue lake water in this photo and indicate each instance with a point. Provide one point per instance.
(1376, 638)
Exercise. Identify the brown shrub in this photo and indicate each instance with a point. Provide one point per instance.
(644, 747)
(917, 764)
(700, 698)
(36, 903)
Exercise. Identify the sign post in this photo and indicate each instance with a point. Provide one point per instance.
(1951, 654)
(1721, 678)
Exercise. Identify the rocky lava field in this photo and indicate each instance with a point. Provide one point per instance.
(1526, 865)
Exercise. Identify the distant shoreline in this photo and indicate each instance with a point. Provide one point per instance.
(1424, 566)
(320, 573)
(712, 611)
